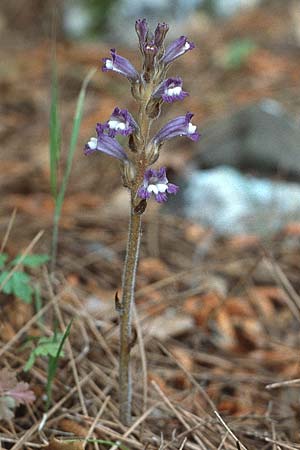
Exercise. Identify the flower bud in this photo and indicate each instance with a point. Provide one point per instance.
(153, 108)
(152, 152)
(128, 173)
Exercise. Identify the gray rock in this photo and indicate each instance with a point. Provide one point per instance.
(232, 203)
(261, 137)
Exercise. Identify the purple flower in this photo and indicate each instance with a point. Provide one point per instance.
(177, 48)
(170, 90)
(105, 144)
(180, 126)
(141, 28)
(120, 65)
(156, 182)
(160, 34)
(121, 122)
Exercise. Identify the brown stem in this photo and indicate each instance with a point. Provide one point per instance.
(131, 261)
(130, 266)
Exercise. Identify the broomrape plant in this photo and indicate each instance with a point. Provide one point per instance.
(150, 88)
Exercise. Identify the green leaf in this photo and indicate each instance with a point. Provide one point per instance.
(21, 286)
(46, 346)
(31, 260)
(18, 284)
(30, 362)
(8, 286)
(3, 259)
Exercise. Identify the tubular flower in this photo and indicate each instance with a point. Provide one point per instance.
(150, 52)
(160, 34)
(141, 28)
(121, 122)
(170, 90)
(180, 126)
(177, 48)
(120, 65)
(156, 182)
(105, 144)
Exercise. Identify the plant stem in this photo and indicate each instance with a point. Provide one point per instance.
(131, 260)
(54, 238)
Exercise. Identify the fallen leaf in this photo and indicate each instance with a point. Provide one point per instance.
(58, 444)
(165, 326)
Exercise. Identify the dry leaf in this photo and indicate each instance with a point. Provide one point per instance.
(165, 326)
(58, 444)
(12, 393)
(73, 427)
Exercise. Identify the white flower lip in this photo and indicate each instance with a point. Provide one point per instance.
(191, 128)
(92, 143)
(109, 64)
(156, 188)
(152, 188)
(116, 125)
(174, 91)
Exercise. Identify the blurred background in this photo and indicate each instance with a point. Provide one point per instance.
(243, 79)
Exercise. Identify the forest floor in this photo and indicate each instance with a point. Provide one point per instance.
(216, 364)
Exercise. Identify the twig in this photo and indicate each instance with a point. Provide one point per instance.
(283, 383)
(69, 347)
(8, 230)
(143, 359)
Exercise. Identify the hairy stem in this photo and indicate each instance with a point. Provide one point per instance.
(131, 261)
(130, 266)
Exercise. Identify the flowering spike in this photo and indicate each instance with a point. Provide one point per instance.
(150, 89)
(120, 65)
(105, 144)
(156, 182)
(180, 126)
(177, 48)
(170, 90)
(121, 122)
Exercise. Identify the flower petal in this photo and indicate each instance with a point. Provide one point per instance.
(120, 65)
(177, 48)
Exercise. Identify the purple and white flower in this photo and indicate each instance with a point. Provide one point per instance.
(180, 126)
(121, 122)
(170, 90)
(177, 48)
(106, 144)
(156, 182)
(120, 65)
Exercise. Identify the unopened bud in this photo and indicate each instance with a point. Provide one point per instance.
(153, 108)
(150, 51)
(128, 173)
(135, 142)
(152, 152)
(140, 207)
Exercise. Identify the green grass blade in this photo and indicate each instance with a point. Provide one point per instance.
(72, 148)
(52, 365)
(54, 131)
(74, 135)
